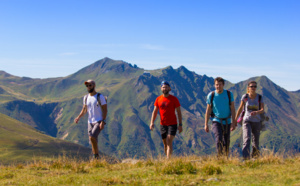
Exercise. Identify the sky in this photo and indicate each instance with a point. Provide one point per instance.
(234, 39)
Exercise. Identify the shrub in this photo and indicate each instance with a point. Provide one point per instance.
(149, 163)
(210, 169)
(6, 176)
(179, 167)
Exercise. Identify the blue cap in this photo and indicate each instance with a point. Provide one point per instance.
(164, 83)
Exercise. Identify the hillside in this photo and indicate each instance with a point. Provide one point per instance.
(50, 105)
(22, 143)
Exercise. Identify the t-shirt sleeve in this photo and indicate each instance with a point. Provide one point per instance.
(156, 102)
(243, 98)
(208, 99)
(102, 99)
(84, 98)
(177, 104)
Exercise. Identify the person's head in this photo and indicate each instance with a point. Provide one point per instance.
(165, 87)
(90, 85)
(219, 84)
(252, 85)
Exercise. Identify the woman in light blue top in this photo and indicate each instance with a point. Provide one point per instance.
(253, 105)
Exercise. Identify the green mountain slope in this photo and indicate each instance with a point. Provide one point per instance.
(20, 143)
(131, 93)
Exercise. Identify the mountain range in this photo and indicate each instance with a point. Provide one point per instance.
(50, 105)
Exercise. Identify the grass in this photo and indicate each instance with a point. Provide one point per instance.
(189, 170)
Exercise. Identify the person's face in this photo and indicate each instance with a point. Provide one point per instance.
(219, 86)
(165, 89)
(90, 87)
(252, 87)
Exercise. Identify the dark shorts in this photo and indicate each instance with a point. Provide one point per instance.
(94, 129)
(168, 130)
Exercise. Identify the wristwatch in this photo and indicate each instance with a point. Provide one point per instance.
(104, 121)
(180, 124)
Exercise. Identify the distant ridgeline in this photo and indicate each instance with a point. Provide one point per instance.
(50, 105)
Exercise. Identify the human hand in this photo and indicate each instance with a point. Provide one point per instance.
(253, 113)
(101, 125)
(76, 120)
(151, 126)
(180, 129)
(233, 126)
(206, 128)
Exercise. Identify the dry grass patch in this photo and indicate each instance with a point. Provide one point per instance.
(185, 170)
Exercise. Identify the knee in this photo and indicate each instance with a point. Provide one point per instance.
(92, 139)
(219, 139)
(169, 143)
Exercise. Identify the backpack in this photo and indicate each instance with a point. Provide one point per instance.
(212, 115)
(241, 116)
(98, 99)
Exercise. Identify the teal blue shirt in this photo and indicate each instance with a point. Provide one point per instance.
(221, 107)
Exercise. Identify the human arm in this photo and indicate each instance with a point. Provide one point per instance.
(261, 111)
(232, 108)
(82, 113)
(239, 110)
(178, 110)
(154, 114)
(207, 114)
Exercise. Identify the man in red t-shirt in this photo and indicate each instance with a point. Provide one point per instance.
(167, 104)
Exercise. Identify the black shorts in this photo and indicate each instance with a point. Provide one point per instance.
(168, 130)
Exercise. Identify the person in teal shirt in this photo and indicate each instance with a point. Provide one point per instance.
(220, 108)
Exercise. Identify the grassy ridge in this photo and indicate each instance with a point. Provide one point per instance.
(190, 170)
(20, 143)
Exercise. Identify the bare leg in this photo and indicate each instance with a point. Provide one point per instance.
(165, 145)
(169, 145)
(94, 145)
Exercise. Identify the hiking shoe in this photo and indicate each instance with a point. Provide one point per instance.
(96, 156)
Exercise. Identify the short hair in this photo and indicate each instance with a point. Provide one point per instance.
(252, 82)
(219, 79)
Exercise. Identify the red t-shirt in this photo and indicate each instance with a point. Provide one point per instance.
(166, 106)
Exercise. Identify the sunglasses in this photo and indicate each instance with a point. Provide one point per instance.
(89, 85)
(252, 86)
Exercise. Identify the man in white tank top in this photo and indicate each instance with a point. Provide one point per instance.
(97, 111)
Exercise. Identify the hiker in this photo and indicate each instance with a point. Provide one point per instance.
(253, 106)
(220, 107)
(95, 105)
(166, 104)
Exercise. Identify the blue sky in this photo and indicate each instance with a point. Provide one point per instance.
(234, 39)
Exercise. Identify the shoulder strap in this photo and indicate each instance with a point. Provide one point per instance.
(211, 104)
(247, 95)
(259, 100)
(212, 98)
(229, 97)
(98, 98)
